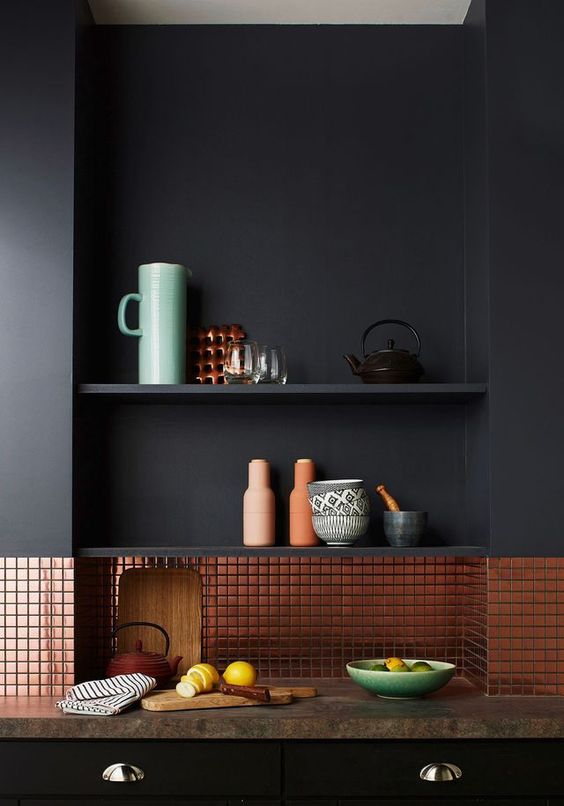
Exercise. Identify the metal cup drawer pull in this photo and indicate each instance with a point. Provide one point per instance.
(441, 772)
(123, 774)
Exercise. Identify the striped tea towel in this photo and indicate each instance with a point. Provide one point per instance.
(107, 697)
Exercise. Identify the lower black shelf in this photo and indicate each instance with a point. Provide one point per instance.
(280, 551)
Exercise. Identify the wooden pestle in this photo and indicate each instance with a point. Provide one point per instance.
(390, 502)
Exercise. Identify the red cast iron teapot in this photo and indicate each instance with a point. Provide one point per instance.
(150, 663)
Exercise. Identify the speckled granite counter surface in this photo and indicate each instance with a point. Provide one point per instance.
(342, 711)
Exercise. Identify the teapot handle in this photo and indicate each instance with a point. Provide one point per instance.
(144, 624)
(391, 322)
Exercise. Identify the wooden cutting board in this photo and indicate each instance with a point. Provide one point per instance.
(171, 597)
(170, 701)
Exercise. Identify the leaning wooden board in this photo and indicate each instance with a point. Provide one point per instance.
(170, 597)
(170, 701)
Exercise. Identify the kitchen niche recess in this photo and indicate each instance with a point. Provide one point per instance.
(310, 196)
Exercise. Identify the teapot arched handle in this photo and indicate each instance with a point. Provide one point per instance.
(391, 322)
(144, 624)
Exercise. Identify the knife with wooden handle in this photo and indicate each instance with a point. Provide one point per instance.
(259, 693)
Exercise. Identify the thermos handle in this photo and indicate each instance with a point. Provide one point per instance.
(122, 324)
(391, 322)
(144, 624)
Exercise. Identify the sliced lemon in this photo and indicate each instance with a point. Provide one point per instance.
(197, 682)
(186, 690)
(204, 676)
(211, 669)
(194, 680)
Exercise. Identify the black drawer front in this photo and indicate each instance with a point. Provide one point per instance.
(182, 769)
(119, 802)
(417, 801)
(344, 770)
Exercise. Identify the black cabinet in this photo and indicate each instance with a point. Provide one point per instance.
(276, 205)
(526, 154)
(254, 773)
(176, 769)
(37, 69)
(514, 152)
(345, 770)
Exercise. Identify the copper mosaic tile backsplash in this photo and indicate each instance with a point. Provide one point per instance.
(499, 620)
(525, 638)
(309, 617)
(302, 617)
(36, 625)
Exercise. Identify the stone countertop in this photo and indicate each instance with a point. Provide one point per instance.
(342, 711)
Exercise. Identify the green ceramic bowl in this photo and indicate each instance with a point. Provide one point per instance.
(400, 685)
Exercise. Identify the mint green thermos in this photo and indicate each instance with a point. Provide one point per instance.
(162, 322)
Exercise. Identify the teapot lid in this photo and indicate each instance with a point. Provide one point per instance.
(141, 655)
(391, 348)
(140, 651)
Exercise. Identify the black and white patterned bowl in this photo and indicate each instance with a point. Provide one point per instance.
(340, 530)
(339, 497)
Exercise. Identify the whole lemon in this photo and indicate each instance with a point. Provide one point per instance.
(240, 673)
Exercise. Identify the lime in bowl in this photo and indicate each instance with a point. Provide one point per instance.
(401, 685)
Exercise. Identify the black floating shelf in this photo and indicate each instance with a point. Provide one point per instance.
(300, 394)
(280, 551)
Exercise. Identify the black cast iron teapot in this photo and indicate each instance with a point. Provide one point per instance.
(392, 365)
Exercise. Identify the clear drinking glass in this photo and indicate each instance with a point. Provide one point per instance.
(273, 367)
(241, 362)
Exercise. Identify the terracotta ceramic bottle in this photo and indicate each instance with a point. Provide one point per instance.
(301, 528)
(259, 506)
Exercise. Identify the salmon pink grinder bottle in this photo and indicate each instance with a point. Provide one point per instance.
(259, 506)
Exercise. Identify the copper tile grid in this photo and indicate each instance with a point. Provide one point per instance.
(206, 352)
(525, 626)
(296, 617)
(307, 617)
(36, 626)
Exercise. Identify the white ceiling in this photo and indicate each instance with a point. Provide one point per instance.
(233, 12)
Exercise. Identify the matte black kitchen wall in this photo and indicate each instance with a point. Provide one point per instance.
(515, 247)
(312, 178)
(37, 66)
